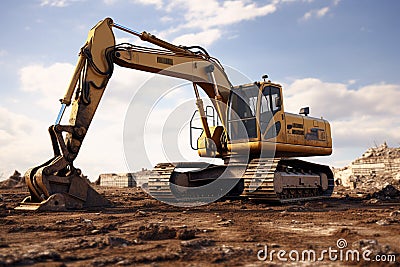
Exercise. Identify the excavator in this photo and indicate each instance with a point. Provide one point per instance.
(257, 140)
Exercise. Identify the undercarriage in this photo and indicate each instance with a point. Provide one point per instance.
(276, 180)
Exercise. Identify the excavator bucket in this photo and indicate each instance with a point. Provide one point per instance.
(55, 193)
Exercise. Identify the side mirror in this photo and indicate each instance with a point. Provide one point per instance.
(304, 111)
(278, 102)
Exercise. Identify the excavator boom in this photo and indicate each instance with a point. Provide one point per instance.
(57, 184)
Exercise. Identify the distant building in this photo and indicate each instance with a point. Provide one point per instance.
(117, 180)
(139, 179)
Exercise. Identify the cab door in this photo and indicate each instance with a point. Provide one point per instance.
(271, 114)
(242, 114)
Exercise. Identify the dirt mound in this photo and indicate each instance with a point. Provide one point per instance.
(14, 181)
(156, 232)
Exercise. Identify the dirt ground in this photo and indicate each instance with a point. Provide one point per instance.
(140, 231)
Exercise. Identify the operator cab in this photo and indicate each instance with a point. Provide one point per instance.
(251, 107)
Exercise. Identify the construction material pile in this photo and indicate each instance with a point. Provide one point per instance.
(14, 181)
(376, 171)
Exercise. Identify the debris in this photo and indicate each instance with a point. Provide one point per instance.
(395, 214)
(156, 232)
(116, 241)
(186, 234)
(371, 201)
(377, 170)
(226, 223)
(383, 222)
(387, 193)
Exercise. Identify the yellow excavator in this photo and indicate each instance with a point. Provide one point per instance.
(257, 140)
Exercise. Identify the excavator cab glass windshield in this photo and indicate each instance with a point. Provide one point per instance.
(242, 108)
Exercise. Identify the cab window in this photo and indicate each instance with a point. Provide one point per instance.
(242, 112)
(271, 93)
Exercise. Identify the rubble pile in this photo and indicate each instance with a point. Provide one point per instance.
(14, 181)
(374, 171)
(387, 193)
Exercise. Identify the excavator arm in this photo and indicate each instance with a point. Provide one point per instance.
(57, 184)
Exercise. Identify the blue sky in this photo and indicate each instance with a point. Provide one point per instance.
(341, 58)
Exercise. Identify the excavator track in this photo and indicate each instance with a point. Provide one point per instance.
(261, 180)
(159, 182)
(163, 186)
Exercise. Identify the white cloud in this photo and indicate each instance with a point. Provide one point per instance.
(322, 12)
(24, 142)
(336, 2)
(316, 13)
(51, 82)
(57, 3)
(292, 1)
(219, 14)
(358, 117)
(157, 3)
(166, 19)
(203, 38)
(110, 2)
(193, 20)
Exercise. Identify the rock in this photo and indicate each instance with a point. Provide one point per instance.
(124, 262)
(156, 232)
(226, 223)
(249, 239)
(3, 243)
(48, 255)
(383, 222)
(116, 241)
(395, 214)
(388, 192)
(186, 234)
(371, 201)
(141, 213)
